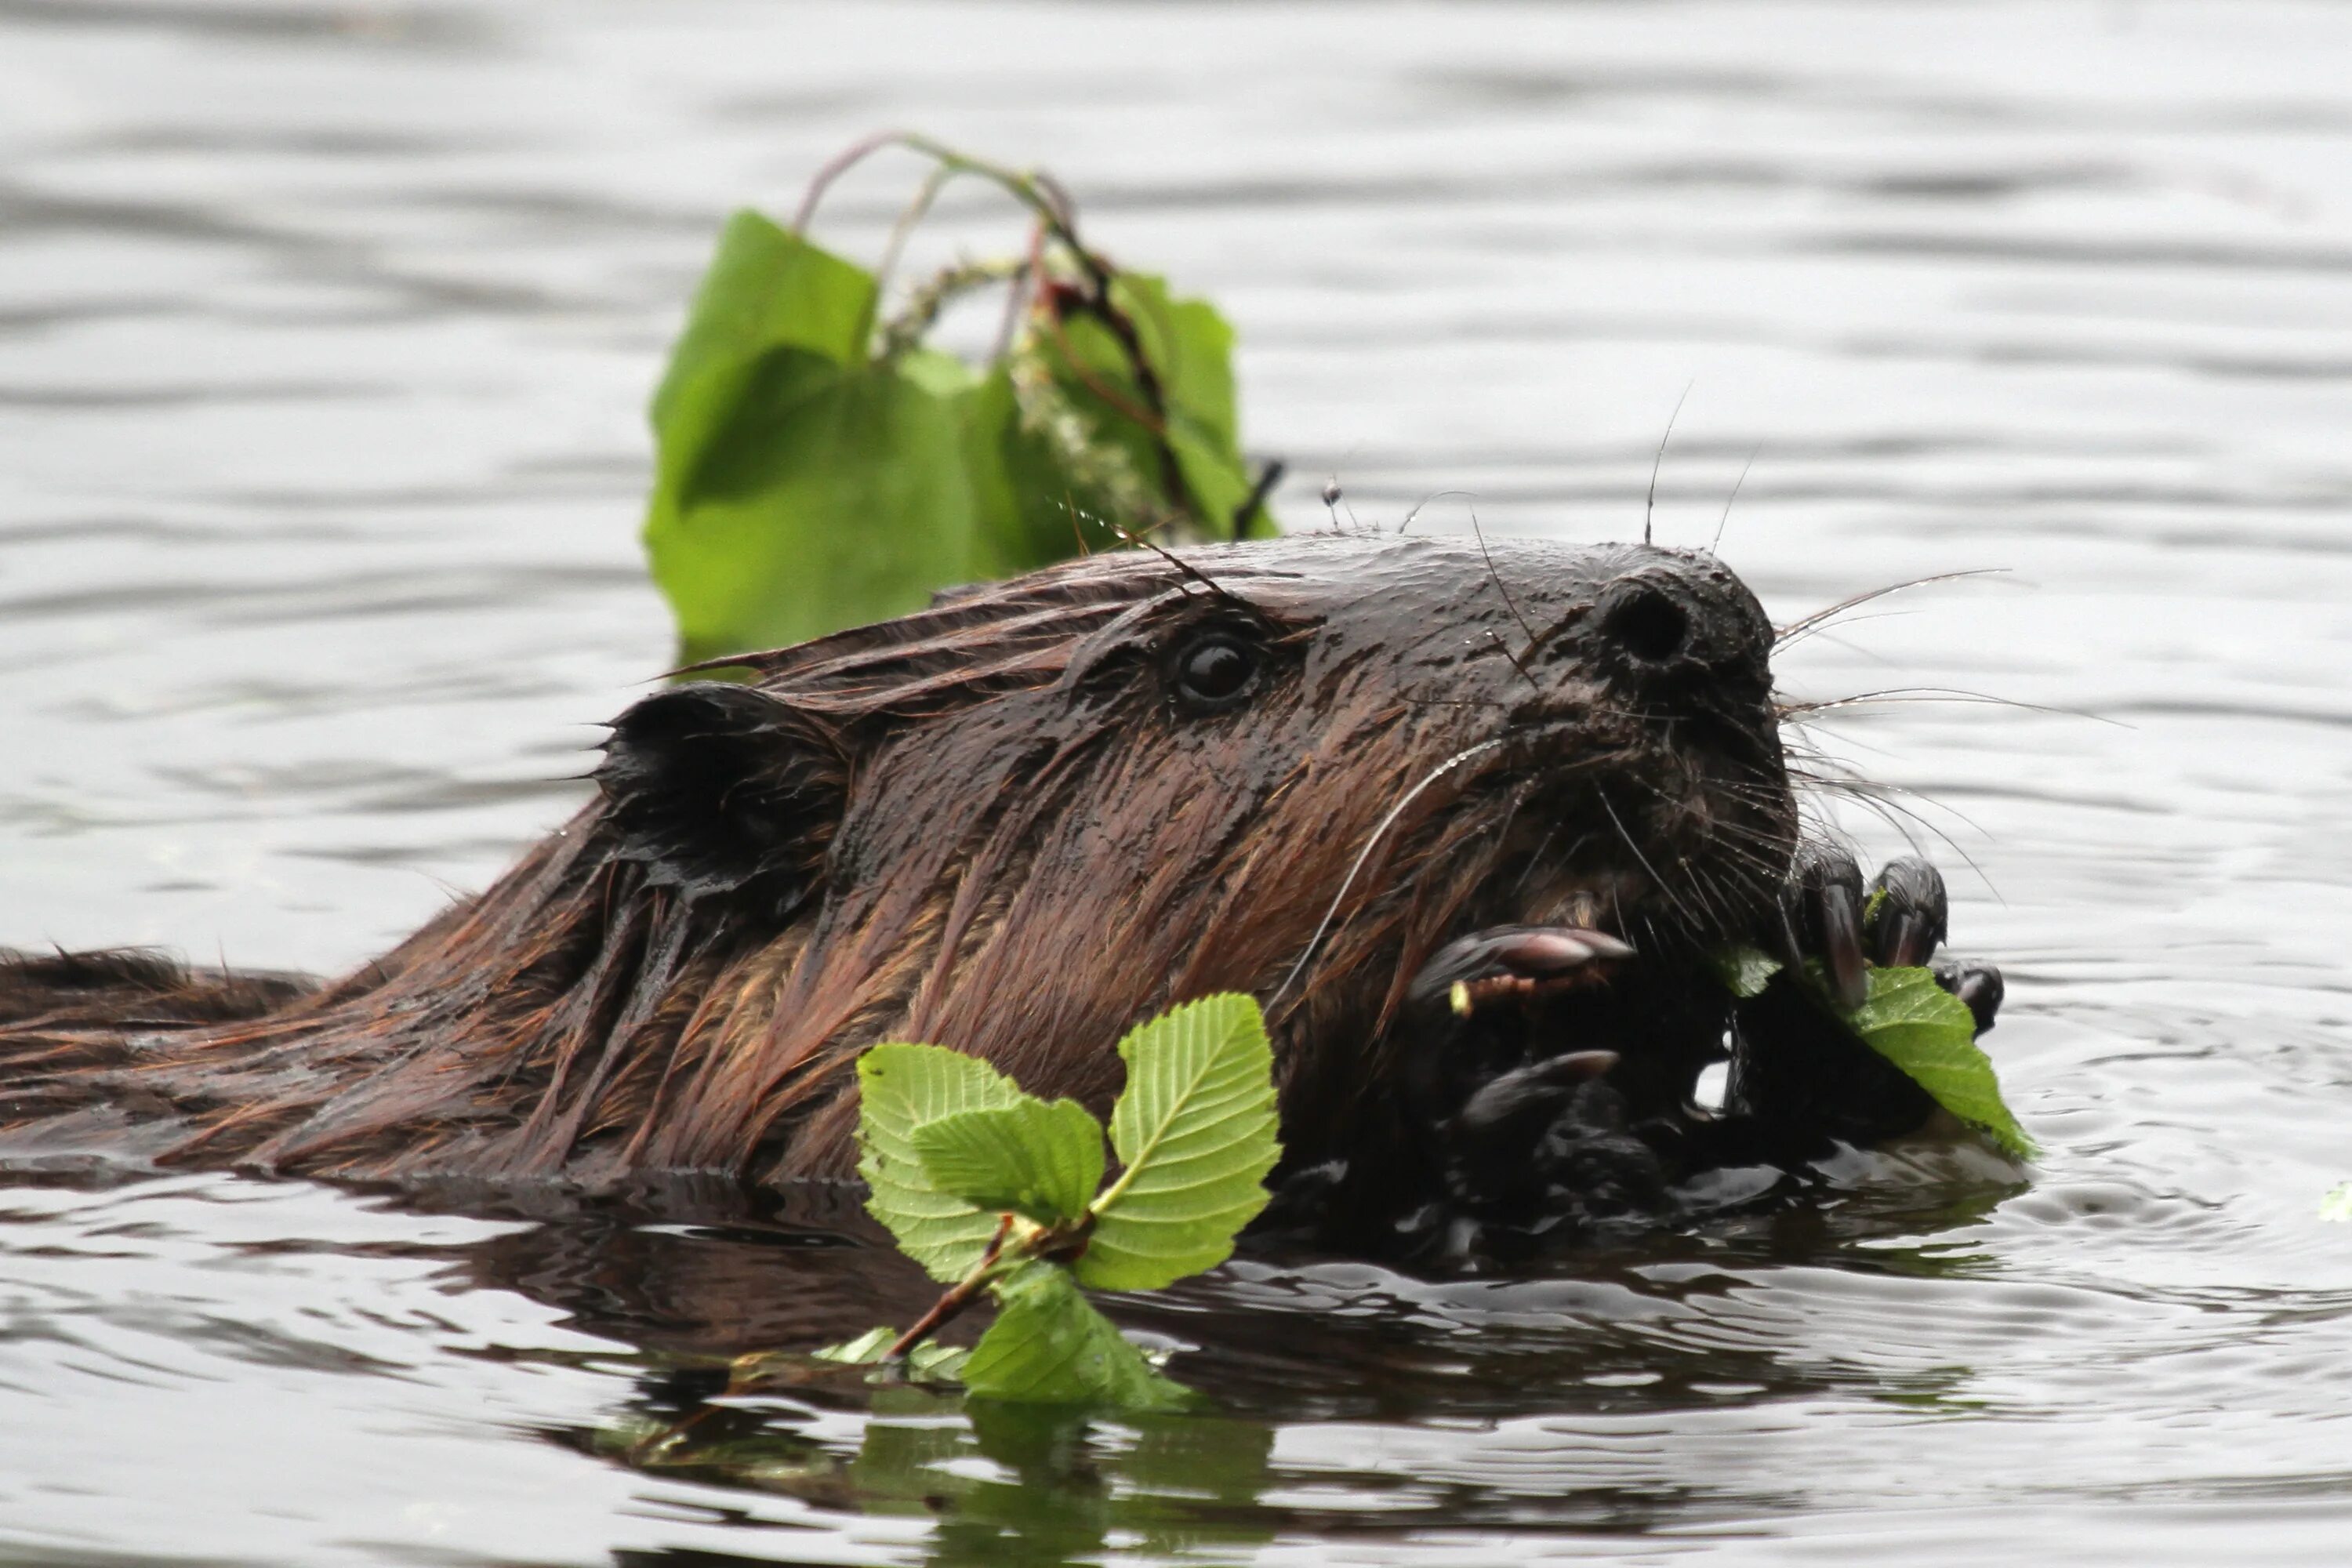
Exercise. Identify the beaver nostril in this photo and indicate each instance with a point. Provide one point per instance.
(1646, 624)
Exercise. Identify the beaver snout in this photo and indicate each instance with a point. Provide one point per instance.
(1678, 619)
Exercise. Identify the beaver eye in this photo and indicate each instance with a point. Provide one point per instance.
(1216, 670)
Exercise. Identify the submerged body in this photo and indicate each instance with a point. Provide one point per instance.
(1469, 821)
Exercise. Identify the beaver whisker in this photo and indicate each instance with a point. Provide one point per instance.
(1874, 798)
(1642, 860)
(1745, 845)
(1813, 764)
(1516, 663)
(1702, 891)
(1657, 462)
(1763, 857)
(1357, 866)
(1725, 897)
(1752, 860)
(1537, 858)
(1496, 579)
(1782, 636)
(1721, 887)
(1730, 786)
(1895, 696)
(1423, 501)
(1749, 791)
(1724, 521)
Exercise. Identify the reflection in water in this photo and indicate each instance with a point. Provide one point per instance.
(693, 1274)
(696, 1272)
(325, 333)
(1010, 1483)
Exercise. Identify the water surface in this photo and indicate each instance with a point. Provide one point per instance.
(324, 335)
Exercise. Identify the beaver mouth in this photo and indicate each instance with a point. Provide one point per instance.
(1667, 883)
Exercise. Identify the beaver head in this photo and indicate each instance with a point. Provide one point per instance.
(1019, 820)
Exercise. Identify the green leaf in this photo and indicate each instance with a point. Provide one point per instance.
(932, 1362)
(765, 288)
(1048, 1346)
(1023, 493)
(823, 496)
(940, 373)
(1745, 971)
(1192, 346)
(900, 1087)
(1043, 1162)
(769, 298)
(798, 488)
(1195, 1128)
(2337, 1206)
(1928, 1033)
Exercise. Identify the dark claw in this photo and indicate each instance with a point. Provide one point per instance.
(1299, 1201)
(1529, 1093)
(1519, 1130)
(1841, 947)
(1978, 984)
(1821, 910)
(1906, 913)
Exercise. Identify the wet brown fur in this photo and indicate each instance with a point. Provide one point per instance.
(1012, 841)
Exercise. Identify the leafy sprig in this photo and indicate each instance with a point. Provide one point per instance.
(1002, 1193)
(819, 466)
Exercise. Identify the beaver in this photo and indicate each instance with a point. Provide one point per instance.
(1469, 820)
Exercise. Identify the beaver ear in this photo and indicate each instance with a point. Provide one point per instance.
(719, 789)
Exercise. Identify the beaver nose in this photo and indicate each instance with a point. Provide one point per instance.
(1643, 620)
(1673, 617)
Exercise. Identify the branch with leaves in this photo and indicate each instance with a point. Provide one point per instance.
(1001, 1194)
(818, 465)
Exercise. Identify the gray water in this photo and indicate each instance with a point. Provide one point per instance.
(324, 335)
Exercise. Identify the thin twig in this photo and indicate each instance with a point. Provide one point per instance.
(925, 195)
(1017, 297)
(1057, 216)
(959, 1296)
(1040, 193)
(1153, 426)
(840, 164)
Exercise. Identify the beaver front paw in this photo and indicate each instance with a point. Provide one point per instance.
(1898, 921)
(1800, 1079)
